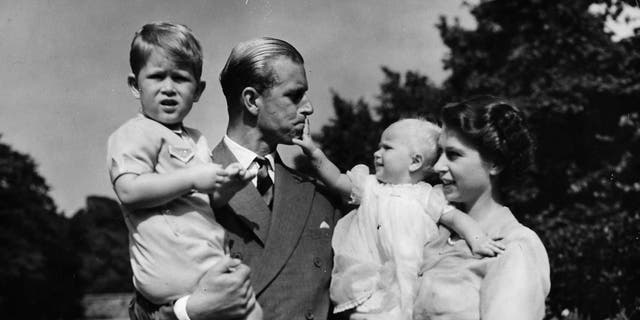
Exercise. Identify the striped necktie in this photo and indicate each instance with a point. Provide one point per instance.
(265, 184)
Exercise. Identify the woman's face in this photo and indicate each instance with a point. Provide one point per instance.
(465, 176)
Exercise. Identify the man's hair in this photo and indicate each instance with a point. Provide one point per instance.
(175, 40)
(249, 65)
(423, 137)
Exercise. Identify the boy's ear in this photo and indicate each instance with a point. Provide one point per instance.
(417, 160)
(251, 100)
(199, 90)
(133, 85)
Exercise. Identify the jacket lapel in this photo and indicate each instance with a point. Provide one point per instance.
(247, 203)
(293, 197)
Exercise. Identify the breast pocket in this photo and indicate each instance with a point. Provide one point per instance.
(183, 154)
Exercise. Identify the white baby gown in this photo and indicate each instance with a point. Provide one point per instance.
(378, 246)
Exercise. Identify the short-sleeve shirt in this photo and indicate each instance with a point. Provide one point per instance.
(378, 247)
(172, 245)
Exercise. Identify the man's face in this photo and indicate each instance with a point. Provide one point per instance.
(285, 106)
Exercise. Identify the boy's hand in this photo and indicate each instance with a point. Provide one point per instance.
(236, 178)
(486, 247)
(306, 143)
(208, 177)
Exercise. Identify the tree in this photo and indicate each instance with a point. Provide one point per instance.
(580, 91)
(38, 273)
(100, 238)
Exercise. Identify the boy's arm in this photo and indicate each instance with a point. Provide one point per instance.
(326, 170)
(148, 190)
(238, 178)
(469, 229)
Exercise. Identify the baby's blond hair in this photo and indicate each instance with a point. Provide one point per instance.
(422, 137)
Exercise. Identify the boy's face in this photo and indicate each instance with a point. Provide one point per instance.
(393, 158)
(166, 90)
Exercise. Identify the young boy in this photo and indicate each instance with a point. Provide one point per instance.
(162, 172)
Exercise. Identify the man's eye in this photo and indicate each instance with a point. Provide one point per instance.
(296, 96)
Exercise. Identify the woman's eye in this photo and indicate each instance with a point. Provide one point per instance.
(451, 155)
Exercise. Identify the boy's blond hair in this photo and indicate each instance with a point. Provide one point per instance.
(175, 40)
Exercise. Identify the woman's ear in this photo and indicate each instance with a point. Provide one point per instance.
(133, 85)
(417, 160)
(494, 169)
(251, 100)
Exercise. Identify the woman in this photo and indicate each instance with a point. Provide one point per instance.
(485, 147)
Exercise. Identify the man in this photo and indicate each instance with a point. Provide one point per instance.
(280, 225)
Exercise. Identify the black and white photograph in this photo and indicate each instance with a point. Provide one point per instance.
(334, 160)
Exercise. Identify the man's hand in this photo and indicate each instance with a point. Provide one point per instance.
(224, 292)
(306, 143)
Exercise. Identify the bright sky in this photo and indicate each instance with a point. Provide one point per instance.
(63, 66)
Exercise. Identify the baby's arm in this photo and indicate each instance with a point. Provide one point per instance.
(469, 229)
(148, 190)
(327, 171)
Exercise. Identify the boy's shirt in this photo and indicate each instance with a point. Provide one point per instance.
(171, 246)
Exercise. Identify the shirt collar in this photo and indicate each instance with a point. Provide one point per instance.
(245, 156)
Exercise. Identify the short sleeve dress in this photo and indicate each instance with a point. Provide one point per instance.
(457, 285)
(378, 246)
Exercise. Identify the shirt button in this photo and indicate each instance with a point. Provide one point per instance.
(309, 315)
(317, 262)
(236, 255)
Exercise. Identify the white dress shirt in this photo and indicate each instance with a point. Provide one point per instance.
(246, 158)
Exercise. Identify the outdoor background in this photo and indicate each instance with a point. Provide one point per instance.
(574, 68)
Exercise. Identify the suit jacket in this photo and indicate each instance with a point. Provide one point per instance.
(287, 249)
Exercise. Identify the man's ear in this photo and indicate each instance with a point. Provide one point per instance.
(417, 160)
(199, 90)
(251, 100)
(133, 85)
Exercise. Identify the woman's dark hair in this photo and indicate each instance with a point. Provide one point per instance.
(497, 129)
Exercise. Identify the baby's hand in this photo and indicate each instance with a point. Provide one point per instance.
(306, 143)
(208, 177)
(486, 247)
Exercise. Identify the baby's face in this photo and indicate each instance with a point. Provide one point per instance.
(166, 90)
(393, 157)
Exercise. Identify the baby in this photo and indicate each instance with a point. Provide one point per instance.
(163, 175)
(378, 247)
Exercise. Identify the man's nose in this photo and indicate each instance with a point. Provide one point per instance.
(306, 107)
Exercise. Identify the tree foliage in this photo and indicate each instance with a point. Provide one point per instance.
(580, 91)
(99, 237)
(38, 270)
